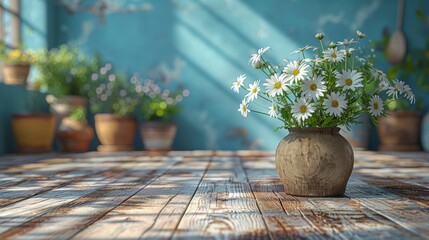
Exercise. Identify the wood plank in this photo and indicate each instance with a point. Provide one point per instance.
(45, 183)
(405, 212)
(155, 211)
(314, 218)
(21, 217)
(223, 206)
(404, 189)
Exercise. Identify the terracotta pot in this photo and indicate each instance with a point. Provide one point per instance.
(399, 131)
(75, 136)
(33, 132)
(314, 162)
(62, 107)
(15, 74)
(115, 132)
(158, 135)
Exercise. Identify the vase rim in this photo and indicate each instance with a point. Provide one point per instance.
(315, 130)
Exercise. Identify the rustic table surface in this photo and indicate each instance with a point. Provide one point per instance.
(193, 195)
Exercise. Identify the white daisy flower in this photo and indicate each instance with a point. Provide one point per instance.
(254, 90)
(302, 110)
(335, 104)
(408, 94)
(239, 83)
(300, 50)
(243, 108)
(347, 52)
(383, 85)
(333, 55)
(314, 88)
(346, 42)
(349, 80)
(379, 75)
(296, 71)
(319, 36)
(273, 111)
(256, 58)
(376, 106)
(360, 34)
(276, 85)
(398, 87)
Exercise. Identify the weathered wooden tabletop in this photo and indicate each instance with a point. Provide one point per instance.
(193, 195)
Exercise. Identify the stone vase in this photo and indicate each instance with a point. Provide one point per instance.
(314, 162)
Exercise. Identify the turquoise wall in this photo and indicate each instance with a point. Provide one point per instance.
(205, 44)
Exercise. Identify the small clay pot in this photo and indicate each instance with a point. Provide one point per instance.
(15, 74)
(158, 135)
(115, 132)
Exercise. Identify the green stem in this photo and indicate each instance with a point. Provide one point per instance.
(255, 111)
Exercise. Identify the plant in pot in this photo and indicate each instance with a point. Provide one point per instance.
(158, 107)
(400, 130)
(16, 65)
(113, 98)
(34, 130)
(75, 134)
(65, 73)
(313, 97)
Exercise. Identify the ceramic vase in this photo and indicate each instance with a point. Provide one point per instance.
(314, 162)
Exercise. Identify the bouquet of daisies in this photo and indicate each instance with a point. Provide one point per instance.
(329, 89)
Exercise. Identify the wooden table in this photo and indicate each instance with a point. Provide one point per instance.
(191, 195)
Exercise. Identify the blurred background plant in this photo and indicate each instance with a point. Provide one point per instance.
(78, 114)
(159, 104)
(16, 56)
(111, 92)
(65, 71)
(414, 66)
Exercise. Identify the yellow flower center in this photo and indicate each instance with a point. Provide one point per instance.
(334, 55)
(375, 105)
(313, 87)
(349, 82)
(396, 89)
(244, 108)
(277, 85)
(254, 90)
(303, 109)
(335, 104)
(275, 108)
(295, 72)
(238, 83)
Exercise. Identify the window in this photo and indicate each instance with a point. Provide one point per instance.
(9, 23)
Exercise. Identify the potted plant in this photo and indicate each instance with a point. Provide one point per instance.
(33, 130)
(158, 107)
(313, 97)
(113, 99)
(16, 65)
(400, 130)
(65, 74)
(74, 133)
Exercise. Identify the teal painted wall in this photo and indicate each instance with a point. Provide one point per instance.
(205, 44)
